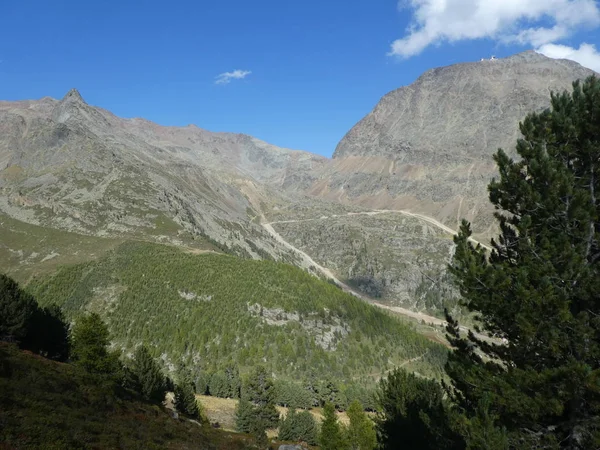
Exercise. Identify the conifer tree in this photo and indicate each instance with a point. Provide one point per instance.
(90, 341)
(287, 425)
(48, 333)
(331, 436)
(16, 310)
(234, 383)
(306, 428)
(261, 392)
(361, 430)
(150, 379)
(244, 415)
(414, 414)
(298, 427)
(538, 293)
(185, 398)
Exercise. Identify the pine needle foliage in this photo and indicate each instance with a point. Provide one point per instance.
(538, 293)
(332, 434)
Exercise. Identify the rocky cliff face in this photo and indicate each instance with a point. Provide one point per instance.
(428, 147)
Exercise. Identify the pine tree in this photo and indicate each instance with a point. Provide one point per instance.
(150, 379)
(234, 383)
(537, 293)
(306, 428)
(90, 341)
(219, 385)
(261, 392)
(331, 436)
(185, 398)
(16, 310)
(361, 430)
(244, 415)
(48, 333)
(298, 427)
(287, 425)
(414, 414)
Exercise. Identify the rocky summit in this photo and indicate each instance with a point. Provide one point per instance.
(428, 146)
(378, 216)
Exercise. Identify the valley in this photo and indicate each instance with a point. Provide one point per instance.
(257, 280)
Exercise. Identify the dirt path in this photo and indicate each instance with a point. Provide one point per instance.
(429, 220)
(325, 271)
(268, 226)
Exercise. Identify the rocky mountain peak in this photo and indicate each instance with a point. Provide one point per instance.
(465, 109)
(73, 96)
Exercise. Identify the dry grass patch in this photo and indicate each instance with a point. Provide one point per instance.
(222, 410)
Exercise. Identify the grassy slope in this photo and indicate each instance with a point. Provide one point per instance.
(138, 288)
(27, 250)
(49, 405)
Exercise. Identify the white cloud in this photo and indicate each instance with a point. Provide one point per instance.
(225, 78)
(586, 54)
(533, 22)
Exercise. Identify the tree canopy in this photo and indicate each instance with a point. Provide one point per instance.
(537, 380)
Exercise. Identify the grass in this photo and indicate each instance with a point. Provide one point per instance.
(27, 250)
(222, 410)
(50, 405)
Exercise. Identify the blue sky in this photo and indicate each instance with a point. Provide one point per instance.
(316, 67)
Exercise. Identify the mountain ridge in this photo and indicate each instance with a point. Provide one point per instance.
(425, 149)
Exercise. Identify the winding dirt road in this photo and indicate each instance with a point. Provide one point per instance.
(429, 220)
(308, 261)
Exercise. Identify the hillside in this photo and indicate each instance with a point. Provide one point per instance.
(423, 156)
(206, 311)
(71, 166)
(45, 404)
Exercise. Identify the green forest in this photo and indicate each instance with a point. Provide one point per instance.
(207, 312)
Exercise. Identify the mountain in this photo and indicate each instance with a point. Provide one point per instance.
(67, 165)
(427, 147)
(378, 216)
(424, 154)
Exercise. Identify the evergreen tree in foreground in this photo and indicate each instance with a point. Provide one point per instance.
(414, 414)
(149, 378)
(40, 330)
(48, 333)
(16, 310)
(537, 384)
(261, 392)
(331, 436)
(298, 427)
(244, 415)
